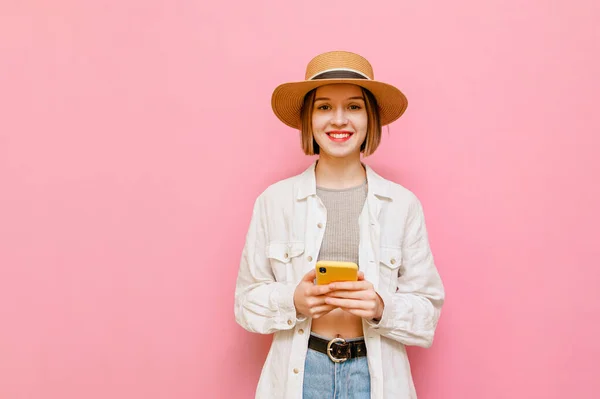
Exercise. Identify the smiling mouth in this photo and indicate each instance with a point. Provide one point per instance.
(339, 135)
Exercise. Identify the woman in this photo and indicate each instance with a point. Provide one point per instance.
(345, 339)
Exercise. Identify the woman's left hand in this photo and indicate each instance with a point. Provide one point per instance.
(356, 297)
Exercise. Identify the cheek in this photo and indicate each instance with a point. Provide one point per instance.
(361, 123)
(317, 124)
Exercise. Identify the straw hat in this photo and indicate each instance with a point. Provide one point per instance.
(337, 67)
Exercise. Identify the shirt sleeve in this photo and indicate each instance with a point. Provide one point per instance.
(262, 304)
(411, 314)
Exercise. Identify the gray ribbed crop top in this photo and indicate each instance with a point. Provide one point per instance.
(341, 239)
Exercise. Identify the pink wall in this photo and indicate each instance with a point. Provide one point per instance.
(135, 135)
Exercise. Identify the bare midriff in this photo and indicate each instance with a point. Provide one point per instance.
(338, 324)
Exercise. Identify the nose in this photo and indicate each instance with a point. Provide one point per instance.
(339, 117)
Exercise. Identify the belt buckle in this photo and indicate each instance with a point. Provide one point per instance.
(335, 359)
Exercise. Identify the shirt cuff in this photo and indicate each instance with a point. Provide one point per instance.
(287, 310)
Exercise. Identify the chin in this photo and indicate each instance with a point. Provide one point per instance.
(338, 154)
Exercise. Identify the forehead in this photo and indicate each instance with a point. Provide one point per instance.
(339, 90)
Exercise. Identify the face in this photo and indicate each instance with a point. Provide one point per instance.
(339, 120)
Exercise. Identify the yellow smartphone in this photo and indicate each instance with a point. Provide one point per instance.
(329, 271)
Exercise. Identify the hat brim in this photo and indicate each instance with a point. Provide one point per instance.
(288, 98)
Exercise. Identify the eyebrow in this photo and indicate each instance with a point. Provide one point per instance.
(329, 99)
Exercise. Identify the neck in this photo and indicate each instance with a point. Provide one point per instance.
(339, 173)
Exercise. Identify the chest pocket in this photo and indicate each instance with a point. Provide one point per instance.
(284, 258)
(390, 261)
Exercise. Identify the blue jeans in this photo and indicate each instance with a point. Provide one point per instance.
(324, 379)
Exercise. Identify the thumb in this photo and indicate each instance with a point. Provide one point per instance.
(361, 276)
(310, 276)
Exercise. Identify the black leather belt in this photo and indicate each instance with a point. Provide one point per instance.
(338, 349)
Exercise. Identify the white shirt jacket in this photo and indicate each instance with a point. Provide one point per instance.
(282, 245)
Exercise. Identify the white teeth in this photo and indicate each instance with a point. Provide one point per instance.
(339, 135)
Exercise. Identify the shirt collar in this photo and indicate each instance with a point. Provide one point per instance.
(307, 186)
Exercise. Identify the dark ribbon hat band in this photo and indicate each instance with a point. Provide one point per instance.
(339, 75)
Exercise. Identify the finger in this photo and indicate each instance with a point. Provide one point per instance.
(321, 310)
(350, 285)
(363, 294)
(350, 303)
(315, 301)
(361, 276)
(318, 290)
(310, 276)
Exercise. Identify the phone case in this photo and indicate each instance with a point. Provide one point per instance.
(330, 271)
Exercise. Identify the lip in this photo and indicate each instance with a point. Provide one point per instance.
(339, 132)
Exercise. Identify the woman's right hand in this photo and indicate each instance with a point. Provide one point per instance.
(309, 299)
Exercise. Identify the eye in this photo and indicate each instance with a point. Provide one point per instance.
(323, 107)
(354, 107)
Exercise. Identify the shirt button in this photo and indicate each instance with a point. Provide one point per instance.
(309, 258)
(286, 255)
(290, 322)
(300, 331)
(393, 261)
(320, 225)
(296, 371)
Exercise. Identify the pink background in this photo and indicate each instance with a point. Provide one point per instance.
(135, 136)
